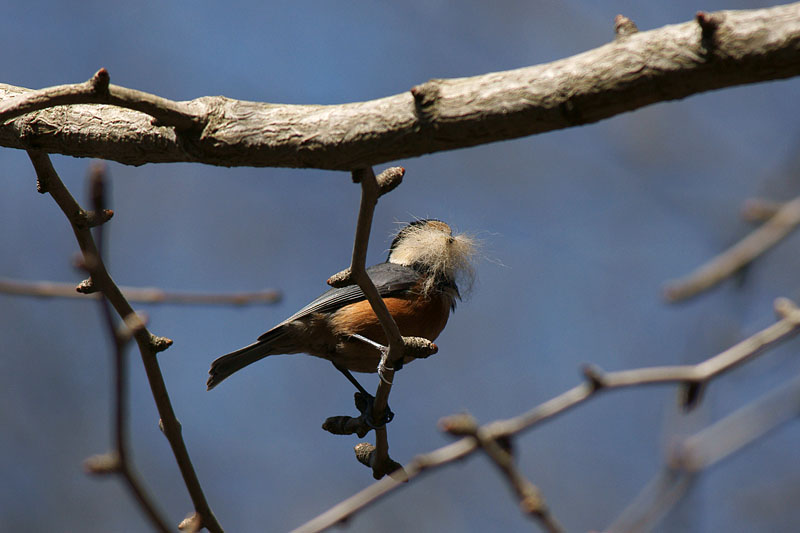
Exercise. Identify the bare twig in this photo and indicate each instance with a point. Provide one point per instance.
(785, 220)
(704, 449)
(623, 26)
(653, 502)
(530, 499)
(597, 381)
(640, 69)
(148, 295)
(742, 427)
(760, 210)
(98, 90)
(500, 452)
(118, 461)
(372, 188)
(421, 463)
(148, 343)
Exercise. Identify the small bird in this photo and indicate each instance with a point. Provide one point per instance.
(417, 282)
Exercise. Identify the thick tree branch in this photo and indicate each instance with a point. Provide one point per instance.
(713, 51)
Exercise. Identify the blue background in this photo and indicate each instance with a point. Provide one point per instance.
(580, 229)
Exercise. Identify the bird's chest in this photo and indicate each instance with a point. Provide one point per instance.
(414, 315)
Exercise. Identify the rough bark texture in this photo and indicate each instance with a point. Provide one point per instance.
(720, 50)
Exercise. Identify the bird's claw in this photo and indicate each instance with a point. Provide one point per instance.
(364, 403)
(383, 367)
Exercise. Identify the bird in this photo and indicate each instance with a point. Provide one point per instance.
(418, 284)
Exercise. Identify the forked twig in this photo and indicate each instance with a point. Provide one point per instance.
(118, 461)
(698, 452)
(149, 344)
(596, 381)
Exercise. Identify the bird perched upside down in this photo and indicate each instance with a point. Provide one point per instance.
(417, 282)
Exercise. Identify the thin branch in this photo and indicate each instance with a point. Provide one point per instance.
(705, 448)
(787, 327)
(500, 451)
(97, 90)
(760, 210)
(381, 463)
(148, 295)
(730, 434)
(778, 227)
(717, 50)
(421, 463)
(372, 188)
(653, 502)
(148, 343)
(118, 461)
(597, 381)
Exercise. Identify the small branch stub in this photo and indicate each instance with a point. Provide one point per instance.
(425, 97)
(709, 23)
(341, 279)
(419, 347)
(95, 218)
(102, 464)
(100, 81)
(595, 376)
(759, 209)
(389, 179)
(459, 425)
(361, 425)
(709, 26)
(91, 219)
(690, 394)
(159, 344)
(623, 26)
(365, 453)
(787, 310)
(345, 425)
(86, 286)
(191, 524)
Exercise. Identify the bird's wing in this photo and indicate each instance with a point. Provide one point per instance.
(389, 279)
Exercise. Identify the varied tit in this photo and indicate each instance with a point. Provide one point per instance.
(417, 282)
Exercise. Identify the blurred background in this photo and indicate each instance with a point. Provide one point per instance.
(580, 229)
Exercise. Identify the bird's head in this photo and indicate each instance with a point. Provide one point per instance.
(429, 246)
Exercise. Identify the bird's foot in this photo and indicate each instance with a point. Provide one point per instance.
(364, 403)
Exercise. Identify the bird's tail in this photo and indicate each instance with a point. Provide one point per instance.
(226, 365)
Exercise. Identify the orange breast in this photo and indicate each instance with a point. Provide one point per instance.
(415, 316)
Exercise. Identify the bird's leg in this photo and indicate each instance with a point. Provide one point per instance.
(351, 379)
(384, 354)
(366, 400)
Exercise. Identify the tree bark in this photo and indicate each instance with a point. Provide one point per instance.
(722, 49)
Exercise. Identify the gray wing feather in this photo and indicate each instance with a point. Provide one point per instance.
(388, 278)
